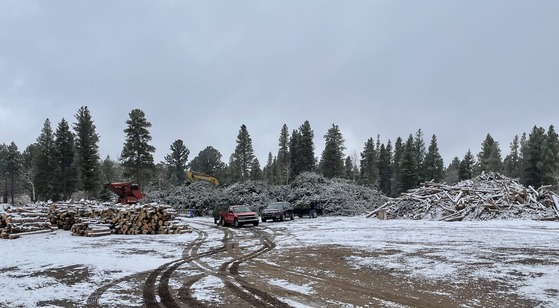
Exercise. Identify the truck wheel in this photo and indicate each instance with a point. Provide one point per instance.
(236, 223)
(282, 218)
(292, 216)
(263, 219)
(255, 223)
(222, 222)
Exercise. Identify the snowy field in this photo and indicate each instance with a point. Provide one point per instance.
(45, 269)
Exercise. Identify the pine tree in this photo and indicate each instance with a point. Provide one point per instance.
(419, 153)
(175, 162)
(268, 170)
(283, 159)
(209, 161)
(513, 162)
(452, 171)
(13, 169)
(255, 171)
(550, 158)
(533, 154)
(409, 176)
(45, 164)
(87, 152)
(397, 167)
(433, 165)
(467, 166)
(369, 165)
(305, 149)
(243, 156)
(348, 168)
(489, 159)
(65, 154)
(385, 168)
(295, 154)
(332, 161)
(136, 155)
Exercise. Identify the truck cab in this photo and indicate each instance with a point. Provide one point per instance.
(238, 215)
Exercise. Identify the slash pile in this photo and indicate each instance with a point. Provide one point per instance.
(488, 196)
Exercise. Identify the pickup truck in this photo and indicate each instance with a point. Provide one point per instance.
(278, 211)
(238, 215)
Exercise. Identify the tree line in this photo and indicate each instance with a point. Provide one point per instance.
(64, 161)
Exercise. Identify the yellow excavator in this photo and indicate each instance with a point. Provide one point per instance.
(193, 176)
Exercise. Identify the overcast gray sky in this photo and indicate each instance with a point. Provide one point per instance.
(201, 69)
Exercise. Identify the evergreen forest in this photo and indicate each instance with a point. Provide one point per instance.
(64, 162)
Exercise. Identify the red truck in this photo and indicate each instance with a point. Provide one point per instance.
(238, 215)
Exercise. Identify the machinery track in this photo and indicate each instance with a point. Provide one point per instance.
(157, 293)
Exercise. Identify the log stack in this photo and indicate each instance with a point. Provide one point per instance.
(488, 196)
(24, 220)
(91, 219)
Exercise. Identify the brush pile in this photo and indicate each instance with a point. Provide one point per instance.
(488, 196)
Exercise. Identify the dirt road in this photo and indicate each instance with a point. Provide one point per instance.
(228, 267)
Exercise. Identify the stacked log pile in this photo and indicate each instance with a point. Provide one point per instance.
(125, 219)
(488, 196)
(146, 219)
(24, 220)
(91, 219)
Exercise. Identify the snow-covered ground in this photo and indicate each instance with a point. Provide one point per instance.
(525, 253)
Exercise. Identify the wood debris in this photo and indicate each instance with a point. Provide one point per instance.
(488, 196)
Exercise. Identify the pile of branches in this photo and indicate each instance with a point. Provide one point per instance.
(488, 196)
(332, 196)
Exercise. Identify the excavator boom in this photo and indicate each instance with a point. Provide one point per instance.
(194, 176)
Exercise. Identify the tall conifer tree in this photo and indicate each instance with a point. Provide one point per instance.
(243, 156)
(385, 168)
(87, 152)
(467, 166)
(409, 176)
(332, 159)
(13, 169)
(137, 153)
(433, 165)
(65, 155)
(305, 148)
(208, 161)
(533, 154)
(397, 167)
(369, 164)
(513, 161)
(283, 159)
(45, 164)
(176, 161)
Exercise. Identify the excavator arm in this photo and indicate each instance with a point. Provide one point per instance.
(193, 176)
